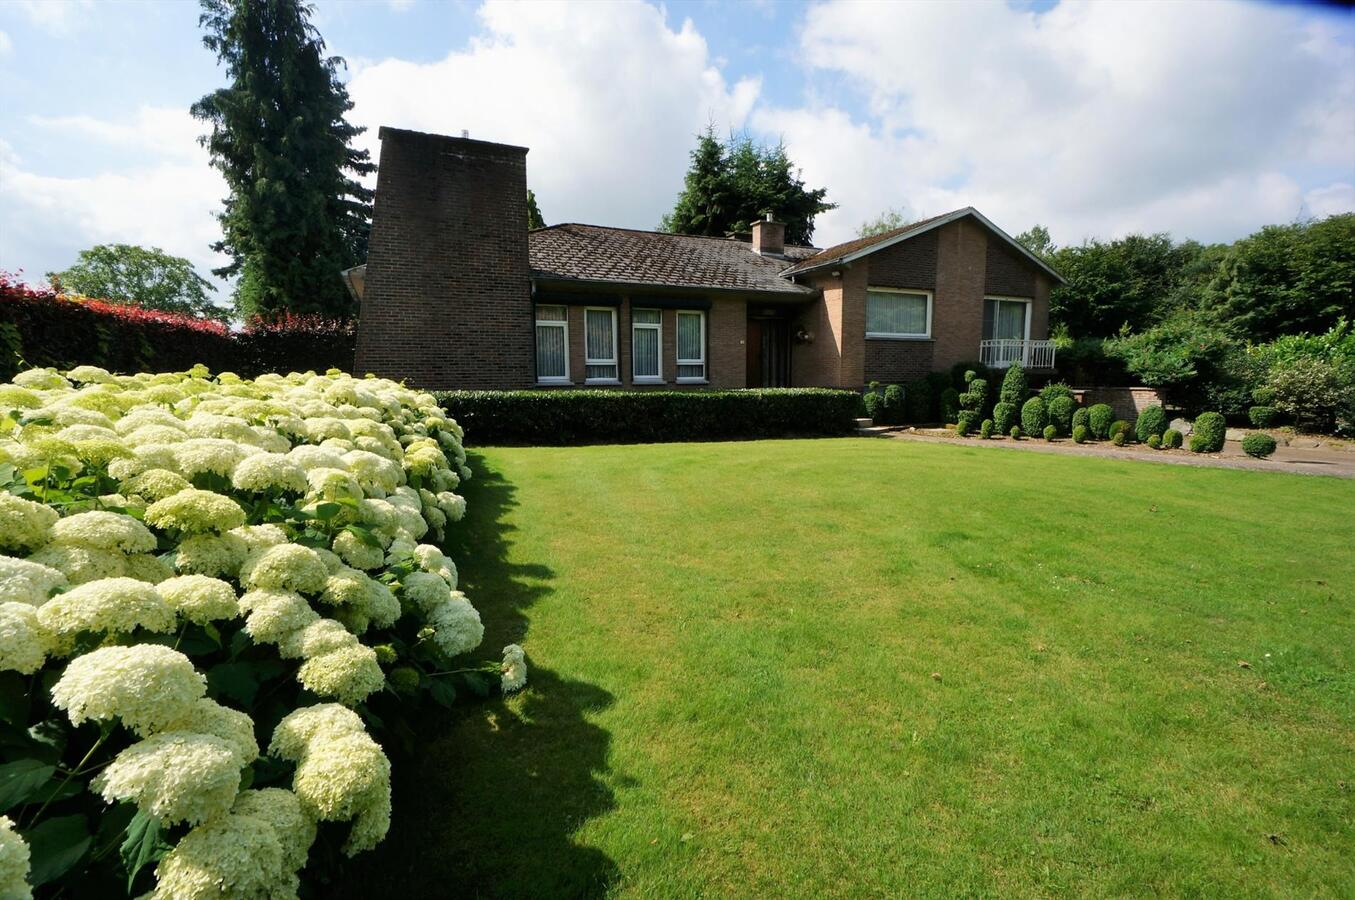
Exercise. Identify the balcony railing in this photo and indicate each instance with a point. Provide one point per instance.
(1000, 354)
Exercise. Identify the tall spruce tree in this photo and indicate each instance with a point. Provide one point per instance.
(296, 214)
(728, 186)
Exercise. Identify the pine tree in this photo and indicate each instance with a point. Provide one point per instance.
(534, 219)
(296, 215)
(704, 206)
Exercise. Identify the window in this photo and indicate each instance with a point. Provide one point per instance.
(691, 346)
(646, 339)
(552, 345)
(898, 314)
(1006, 319)
(599, 345)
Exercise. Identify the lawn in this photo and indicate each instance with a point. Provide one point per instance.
(874, 668)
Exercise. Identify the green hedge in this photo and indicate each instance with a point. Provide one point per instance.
(583, 417)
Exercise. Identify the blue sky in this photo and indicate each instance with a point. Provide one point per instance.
(1206, 120)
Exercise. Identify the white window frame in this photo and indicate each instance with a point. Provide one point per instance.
(895, 336)
(614, 362)
(649, 326)
(1030, 309)
(705, 368)
(552, 323)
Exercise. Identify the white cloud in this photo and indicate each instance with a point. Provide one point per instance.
(607, 96)
(54, 16)
(5, 43)
(1331, 199)
(159, 130)
(166, 202)
(1092, 118)
(400, 5)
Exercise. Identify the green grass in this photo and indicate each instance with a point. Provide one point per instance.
(873, 668)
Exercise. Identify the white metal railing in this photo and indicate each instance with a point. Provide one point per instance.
(1000, 354)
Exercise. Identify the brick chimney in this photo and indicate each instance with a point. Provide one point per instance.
(769, 237)
(447, 301)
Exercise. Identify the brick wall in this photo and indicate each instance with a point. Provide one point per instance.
(1127, 402)
(1007, 272)
(911, 264)
(447, 302)
(895, 362)
(957, 313)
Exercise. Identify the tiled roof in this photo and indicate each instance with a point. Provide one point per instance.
(838, 251)
(623, 256)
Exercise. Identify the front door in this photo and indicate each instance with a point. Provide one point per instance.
(768, 353)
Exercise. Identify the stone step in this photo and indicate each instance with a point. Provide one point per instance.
(864, 423)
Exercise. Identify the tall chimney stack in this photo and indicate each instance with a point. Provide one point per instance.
(769, 237)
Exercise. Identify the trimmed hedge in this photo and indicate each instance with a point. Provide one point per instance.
(950, 406)
(1263, 416)
(1152, 421)
(1004, 416)
(1061, 412)
(1079, 434)
(1034, 416)
(1099, 418)
(1172, 439)
(1081, 416)
(1207, 433)
(584, 416)
(1258, 445)
(986, 429)
(41, 328)
(1050, 432)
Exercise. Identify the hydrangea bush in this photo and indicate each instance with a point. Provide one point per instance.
(194, 568)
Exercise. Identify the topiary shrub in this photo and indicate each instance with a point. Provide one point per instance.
(1120, 439)
(966, 422)
(1081, 416)
(1152, 421)
(1207, 433)
(917, 401)
(1171, 439)
(1004, 416)
(1120, 426)
(1015, 432)
(874, 404)
(975, 397)
(1080, 434)
(1014, 389)
(1050, 432)
(964, 372)
(1154, 441)
(1050, 392)
(1034, 416)
(986, 429)
(893, 405)
(1061, 412)
(1099, 419)
(950, 405)
(1263, 416)
(1258, 445)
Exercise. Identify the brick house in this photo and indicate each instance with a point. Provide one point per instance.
(456, 293)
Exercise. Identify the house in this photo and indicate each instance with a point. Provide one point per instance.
(457, 293)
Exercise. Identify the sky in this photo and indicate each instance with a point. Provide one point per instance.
(1206, 120)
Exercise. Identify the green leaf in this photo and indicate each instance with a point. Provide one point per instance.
(479, 684)
(364, 535)
(240, 681)
(145, 844)
(327, 511)
(13, 698)
(21, 780)
(441, 690)
(56, 845)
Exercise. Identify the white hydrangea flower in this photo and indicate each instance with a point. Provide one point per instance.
(24, 581)
(14, 863)
(41, 380)
(342, 777)
(89, 373)
(233, 727)
(268, 473)
(148, 568)
(154, 434)
(281, 809)
(424, 460)
(215, 455)
(24, 525)
(196, 511)
(144, 416)
(230, 856)
(319, 637)
(108, 604)
(200, 598)
(155, 484)
(514, 669)
(211, 554)
(285, 566)
(321, 722)
(24, 642)
(457, 626)
(425, 590)
(358, 553)
(147, 686)
(330, 484)
(374, 471)
(348, 674)
(434, 561)
(81, 564)
(273, 614)
(260, 537)
(309, 457)
(174, 776)
(454, 505)
(104, 530)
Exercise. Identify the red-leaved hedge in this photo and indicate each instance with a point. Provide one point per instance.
(39, 327)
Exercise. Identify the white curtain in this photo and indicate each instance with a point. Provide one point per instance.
(550, 351)
(644, 343)
(1011, 321)
(691, 350)
(888, 312)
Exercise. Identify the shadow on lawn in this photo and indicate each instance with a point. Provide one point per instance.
(489, 803)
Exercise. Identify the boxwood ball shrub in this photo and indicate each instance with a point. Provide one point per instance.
(1171, 439)
(1004, 416)
(1015, 432)
(1081, 416)
(986, 429)
(950, 405)
(1120, 439)
(1154, 441)
(1050, 432)
(220, 600)
(975, 396)
(893, 405)
(966, 422)
(1263, 416)
(1054, 390)
(873, 403)
(1099, 419)
(1034, 416)
(1152, 421)
(1080, 434)
(1061, 411)
(1258, 445)
(1120, 426)
(1207, 433)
